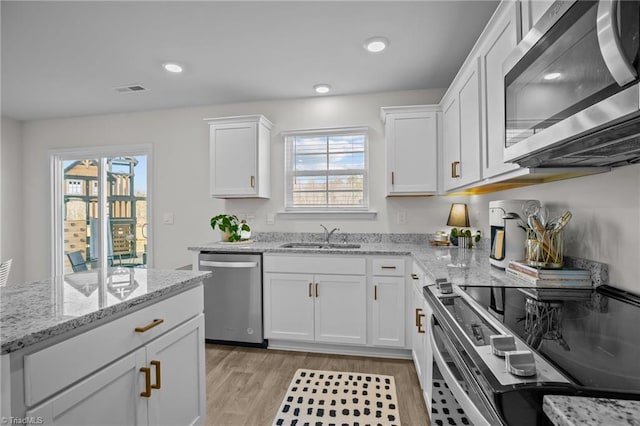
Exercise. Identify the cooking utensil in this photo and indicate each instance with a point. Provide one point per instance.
(530, 207)
(562, 222)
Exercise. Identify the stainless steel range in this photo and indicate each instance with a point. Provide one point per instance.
(584, 343)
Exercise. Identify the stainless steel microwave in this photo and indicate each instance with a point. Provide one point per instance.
(572, 95)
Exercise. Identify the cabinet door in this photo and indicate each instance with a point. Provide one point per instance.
(340, 309)
(177, 367)
(388, 312)
(451, 143)
(532, 11)
(110, 396)
(427, 354)
(418, 340)
(469, 99)
(288, 306)
(412, 153)
(233, 159)
(500, 41)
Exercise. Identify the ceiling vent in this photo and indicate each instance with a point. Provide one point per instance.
(130, 88)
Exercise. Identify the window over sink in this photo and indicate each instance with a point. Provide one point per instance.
(326, 170)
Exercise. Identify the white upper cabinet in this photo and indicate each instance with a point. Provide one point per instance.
(500, 40)
(411, 138)
(532, 10)
(239, 156)
(461, 130)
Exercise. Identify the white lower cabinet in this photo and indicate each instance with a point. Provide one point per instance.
(110, 396)
(421, 351)
(388, 302)
(144, 368)
(315, 307)
(158, 384)
(305, 303)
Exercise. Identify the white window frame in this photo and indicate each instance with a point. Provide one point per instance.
(56, 158)
(317, 211)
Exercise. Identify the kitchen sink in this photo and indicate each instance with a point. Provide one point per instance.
(320, 245)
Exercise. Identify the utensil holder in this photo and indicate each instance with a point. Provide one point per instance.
(545, 249)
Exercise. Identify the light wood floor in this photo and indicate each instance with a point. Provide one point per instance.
(245, 386)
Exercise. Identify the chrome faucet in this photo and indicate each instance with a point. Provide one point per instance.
(327, 233)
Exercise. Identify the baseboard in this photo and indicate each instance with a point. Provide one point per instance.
(324, 348)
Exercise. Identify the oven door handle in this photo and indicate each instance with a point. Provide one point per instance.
(463, 399)
(610, 45)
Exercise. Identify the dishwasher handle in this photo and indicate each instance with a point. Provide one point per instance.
(218, 264)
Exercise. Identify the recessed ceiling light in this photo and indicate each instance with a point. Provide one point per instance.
(552, 76)
(322, 88)
(172, 67)
(376, 44)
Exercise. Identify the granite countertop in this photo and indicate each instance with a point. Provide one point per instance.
(461, 266)
(30, 313)
(578, 411)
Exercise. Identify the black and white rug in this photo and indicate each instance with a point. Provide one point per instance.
(445, 410)
(322, 398)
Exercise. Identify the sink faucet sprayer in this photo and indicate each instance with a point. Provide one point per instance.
(327, 233)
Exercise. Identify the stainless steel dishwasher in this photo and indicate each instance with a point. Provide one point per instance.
(233, 298)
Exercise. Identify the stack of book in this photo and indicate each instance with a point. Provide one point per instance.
(564, 277)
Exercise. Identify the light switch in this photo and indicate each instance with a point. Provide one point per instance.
(167, 218)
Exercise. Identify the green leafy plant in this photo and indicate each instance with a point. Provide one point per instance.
(229, 224)
(454, 232)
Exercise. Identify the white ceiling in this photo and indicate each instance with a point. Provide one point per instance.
(63, 59)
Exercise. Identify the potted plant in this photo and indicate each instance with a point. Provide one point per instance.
(463, 237)
(453, 236)
(231, 227)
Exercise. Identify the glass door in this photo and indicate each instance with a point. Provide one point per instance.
(100, 211)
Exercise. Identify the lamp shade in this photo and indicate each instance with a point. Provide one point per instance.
(458, 216)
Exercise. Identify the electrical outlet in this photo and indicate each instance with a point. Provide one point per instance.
(271, 219)
(401, 218)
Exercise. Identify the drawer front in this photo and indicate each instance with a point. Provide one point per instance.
(337, 265)
(388, 266)
(56, 367)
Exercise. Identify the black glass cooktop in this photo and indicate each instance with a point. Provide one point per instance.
(593, 336)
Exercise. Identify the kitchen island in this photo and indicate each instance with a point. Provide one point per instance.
(121, 346)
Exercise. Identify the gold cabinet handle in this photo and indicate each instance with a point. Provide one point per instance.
(149, 326)
(156, 364)
(414, 276)
(387, 267)
(310, 294)
(375, 292)
(147, 382)
(253, 181)
(454, 169)
(393, 179)
(317, 294)
(419, 316)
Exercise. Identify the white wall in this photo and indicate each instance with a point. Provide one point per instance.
(180, 144)
(606, 218)
(606, 207)
(12, 234)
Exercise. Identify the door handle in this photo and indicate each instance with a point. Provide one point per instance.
(310, 291)
(414, 276)
(317, 294)
(253, 181)
(454, 169)
(375, 292)
(610, 45)
(419, 316)
(214, 264)
(387, 267)
(393, 179)
(147, 382)
(156, 364)
(154, 323)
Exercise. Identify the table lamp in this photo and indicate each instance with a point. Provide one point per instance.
(459, 216)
